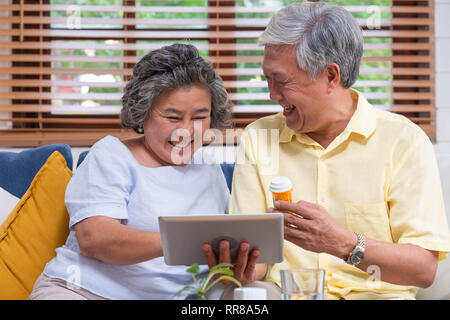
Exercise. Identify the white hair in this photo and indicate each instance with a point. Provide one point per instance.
(323, 33)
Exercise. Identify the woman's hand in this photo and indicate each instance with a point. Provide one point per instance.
(244, 268)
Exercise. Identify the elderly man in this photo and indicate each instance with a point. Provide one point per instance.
(366, 182)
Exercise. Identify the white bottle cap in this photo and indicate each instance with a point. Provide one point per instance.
(250, 294)
(280, 184)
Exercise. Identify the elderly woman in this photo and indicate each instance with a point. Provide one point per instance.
(116, 195)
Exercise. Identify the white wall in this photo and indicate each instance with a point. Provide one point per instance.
(442, 44)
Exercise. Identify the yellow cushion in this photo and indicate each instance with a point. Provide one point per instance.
(37, 225)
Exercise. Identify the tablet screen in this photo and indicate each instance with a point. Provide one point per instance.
(182, 236)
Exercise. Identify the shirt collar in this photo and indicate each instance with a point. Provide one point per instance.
(364, 119)
(363, 122)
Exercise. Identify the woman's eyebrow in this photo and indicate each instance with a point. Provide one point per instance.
(172, 110)
(176, 111)
(202, 110)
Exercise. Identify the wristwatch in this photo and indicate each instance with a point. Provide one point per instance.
(357, 254)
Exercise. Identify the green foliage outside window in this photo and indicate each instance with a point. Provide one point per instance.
(199, 15)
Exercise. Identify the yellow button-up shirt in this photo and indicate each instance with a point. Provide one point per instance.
(379, 178)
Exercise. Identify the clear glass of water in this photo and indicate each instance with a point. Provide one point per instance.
(302, 284)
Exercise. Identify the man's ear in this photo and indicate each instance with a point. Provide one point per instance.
(333, 74)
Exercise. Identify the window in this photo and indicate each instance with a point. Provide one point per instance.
(63, 65)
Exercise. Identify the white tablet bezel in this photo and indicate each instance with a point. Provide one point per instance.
(182, 236)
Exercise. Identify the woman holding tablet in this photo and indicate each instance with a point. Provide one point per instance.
(116, 195)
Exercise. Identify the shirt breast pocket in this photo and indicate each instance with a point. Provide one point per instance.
(370, 220)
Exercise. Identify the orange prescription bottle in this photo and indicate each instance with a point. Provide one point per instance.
(281, 188)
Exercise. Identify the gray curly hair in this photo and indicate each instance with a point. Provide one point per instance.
(322, 33)
(164, 70)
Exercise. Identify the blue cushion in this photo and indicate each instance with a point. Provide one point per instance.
(81, 157)
(17, 169)
(227, 168)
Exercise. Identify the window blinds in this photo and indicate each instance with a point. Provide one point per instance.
(63, 65)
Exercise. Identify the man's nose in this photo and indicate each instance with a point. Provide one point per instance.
(274, 92)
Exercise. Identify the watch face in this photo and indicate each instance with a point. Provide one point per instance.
(357, 257)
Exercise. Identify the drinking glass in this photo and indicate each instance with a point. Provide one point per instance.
(302, 284)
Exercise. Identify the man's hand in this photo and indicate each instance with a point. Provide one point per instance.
(314, 229)
(317, 231)
(244, 266)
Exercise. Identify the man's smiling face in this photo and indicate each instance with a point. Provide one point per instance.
(293, 88)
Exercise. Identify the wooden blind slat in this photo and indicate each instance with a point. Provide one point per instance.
(225, 59)
(114, 34)
(214, 47)
(221, 71)
(200, 9)
(254, 22)
(228, 84)
(115, 110)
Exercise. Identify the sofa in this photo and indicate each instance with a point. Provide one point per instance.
(34, 220)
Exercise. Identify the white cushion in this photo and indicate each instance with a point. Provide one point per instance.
(8, 202)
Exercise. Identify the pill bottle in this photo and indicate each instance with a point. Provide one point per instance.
(281, 188)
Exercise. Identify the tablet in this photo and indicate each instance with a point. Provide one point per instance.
(182, 236)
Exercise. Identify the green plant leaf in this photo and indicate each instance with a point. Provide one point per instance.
(235, 281)
(201, 286)
(222, 265)
(184, 289)
(194, 269)
(222, 271)
(225, 277)
(215, 271)
(221, 268)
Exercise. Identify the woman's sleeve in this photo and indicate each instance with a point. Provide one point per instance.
(100, 186)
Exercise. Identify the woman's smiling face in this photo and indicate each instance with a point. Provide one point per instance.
(175, 126)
